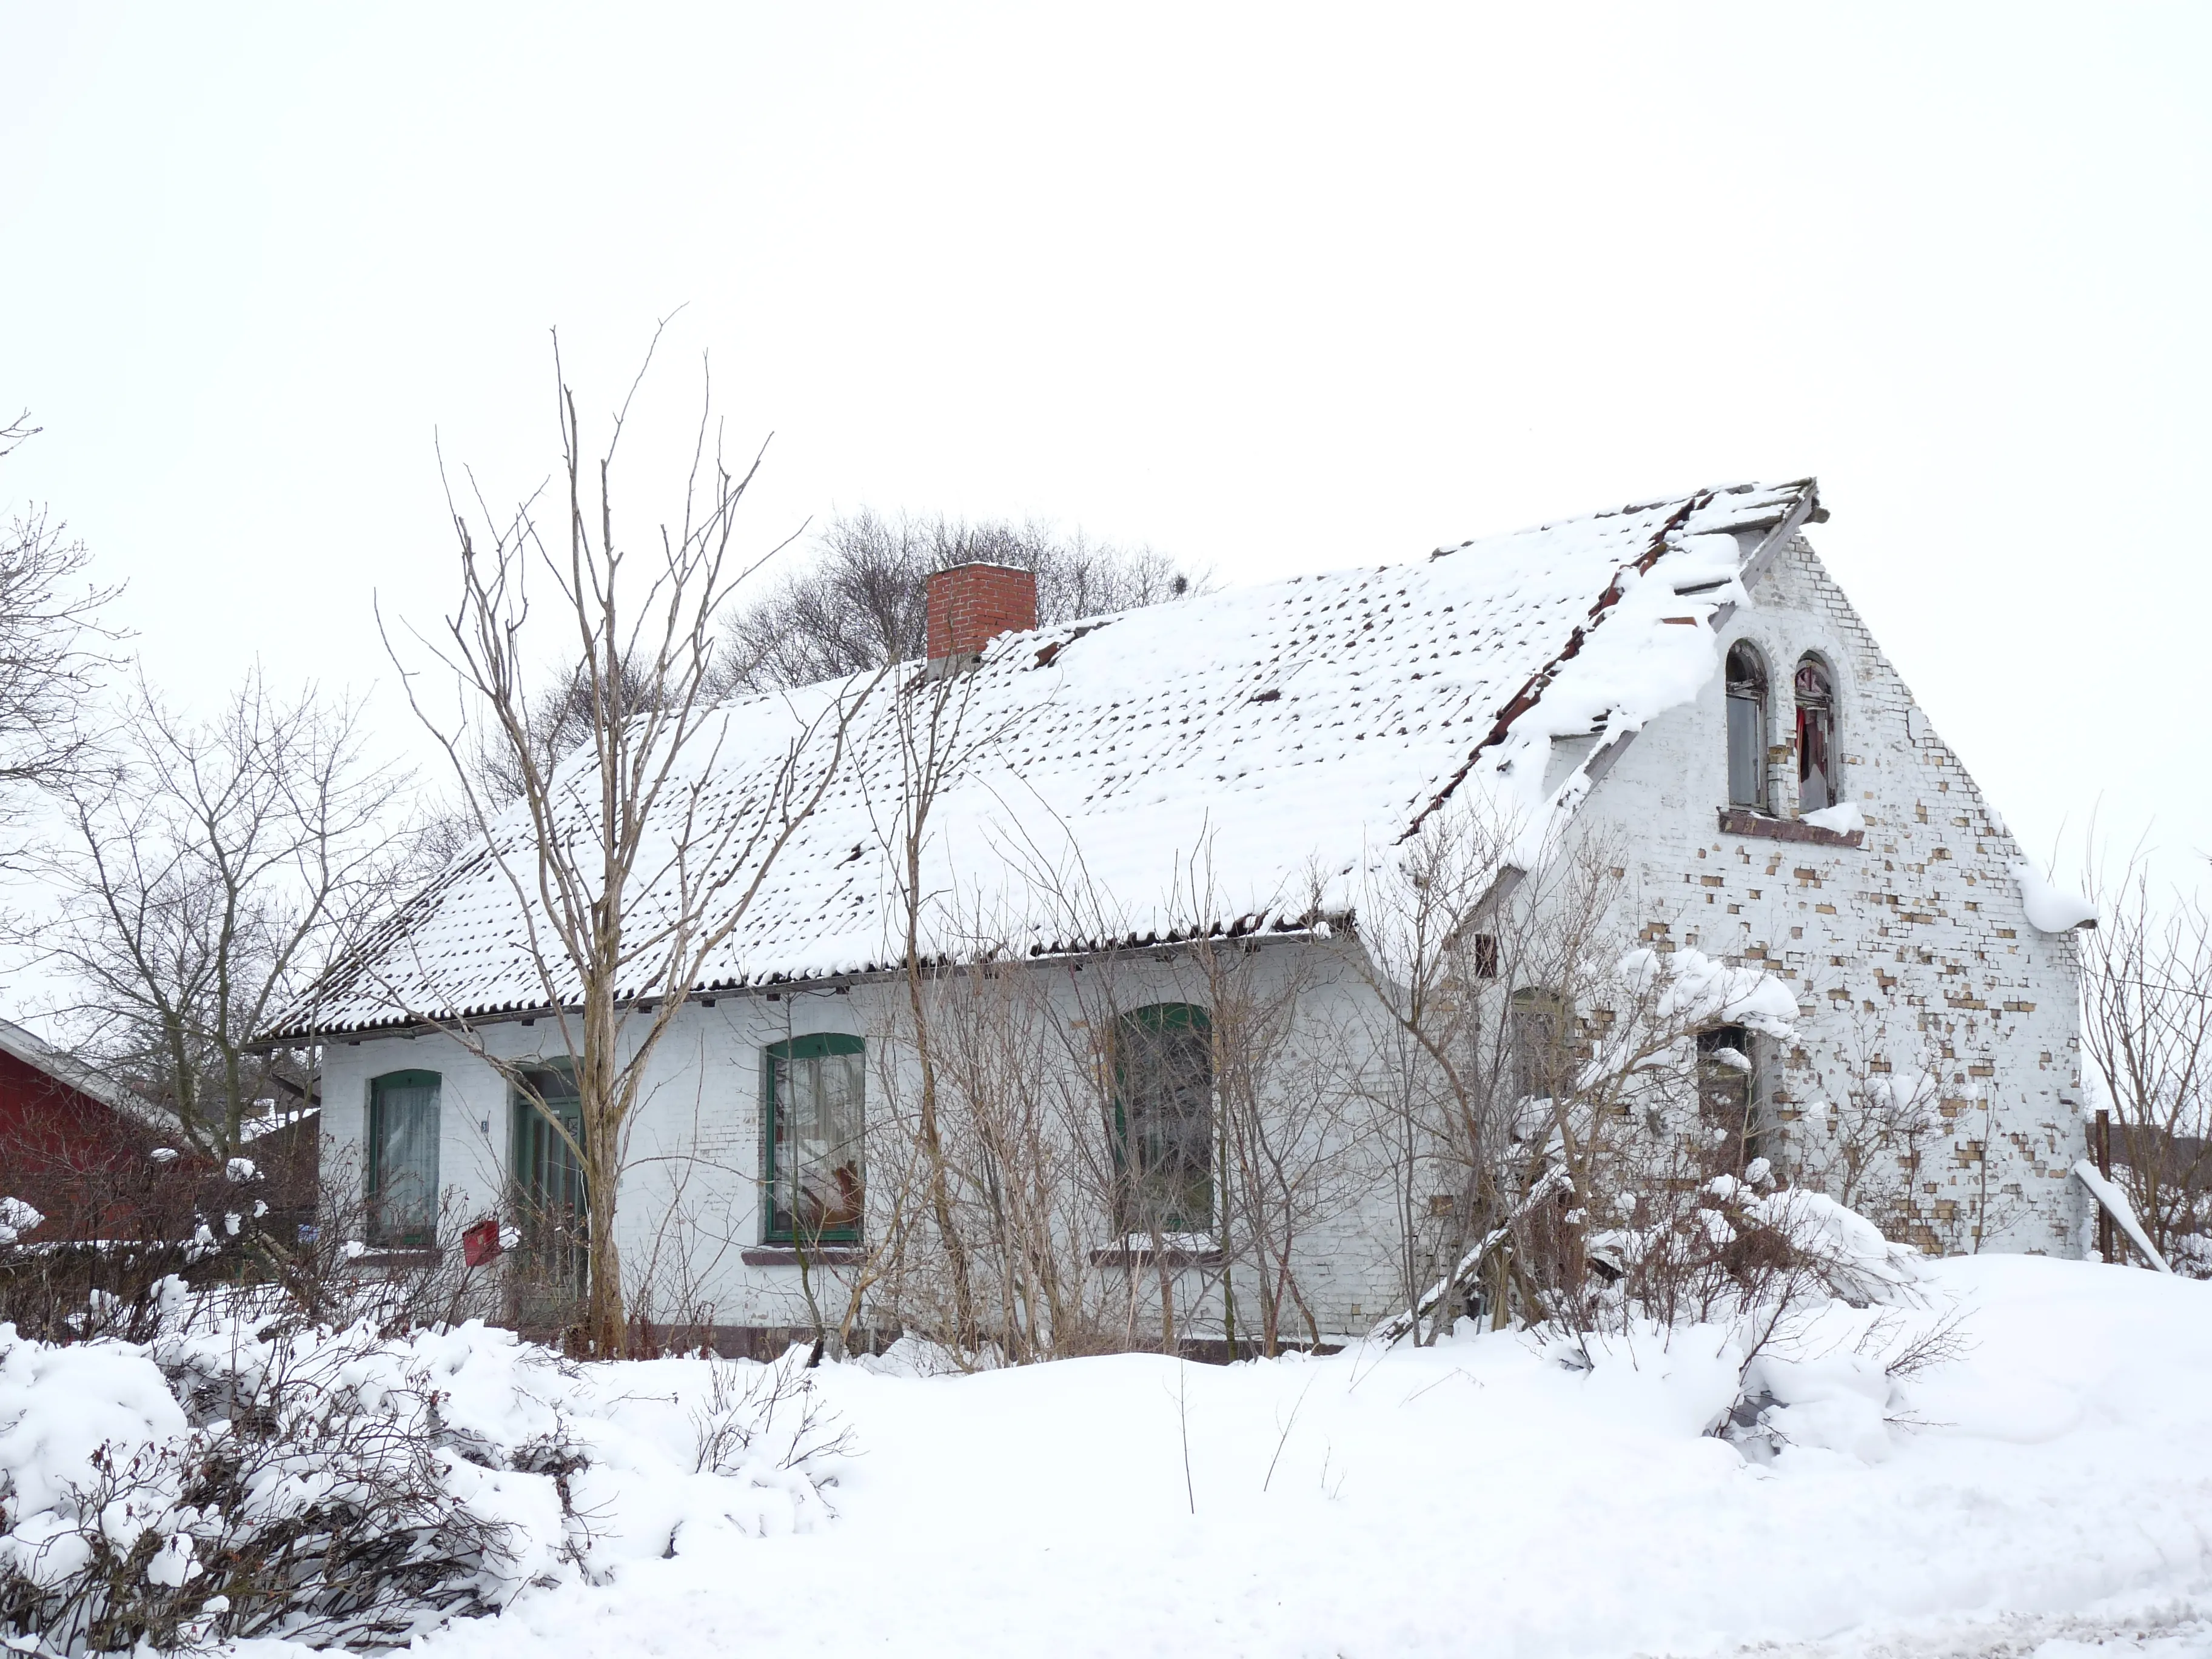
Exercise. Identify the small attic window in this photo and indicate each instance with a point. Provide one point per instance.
(1747, 727)
(1819, 785)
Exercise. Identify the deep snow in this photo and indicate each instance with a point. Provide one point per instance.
(2035, 1495)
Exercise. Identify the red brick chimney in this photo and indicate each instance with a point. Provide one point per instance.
(971, 605)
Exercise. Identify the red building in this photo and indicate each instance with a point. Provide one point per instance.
(83, 1150)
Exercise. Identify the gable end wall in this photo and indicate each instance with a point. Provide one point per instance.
(1909, 957)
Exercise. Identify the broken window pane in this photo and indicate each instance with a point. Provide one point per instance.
(1818, 784)
(1727, 1099)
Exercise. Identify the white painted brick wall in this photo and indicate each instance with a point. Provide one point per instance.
(1915, 943)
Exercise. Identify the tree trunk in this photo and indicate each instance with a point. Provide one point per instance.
(606, 1326)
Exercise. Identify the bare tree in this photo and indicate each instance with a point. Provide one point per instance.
(210, 872)
(860, 605)
(49, 634)
(2147, 1001)
(629, 866)
(1281, 1145)
(1866, 1146)
(1555, 1097)
(931, 725)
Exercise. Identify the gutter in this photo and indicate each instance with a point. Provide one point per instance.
(834, 984)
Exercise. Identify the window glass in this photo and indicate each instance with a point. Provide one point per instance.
(813, 1087)
(1746, 728)
(1164, 1112)
(547, 1181)
(1817, 780)
(403, 1159)
(1534, 1036)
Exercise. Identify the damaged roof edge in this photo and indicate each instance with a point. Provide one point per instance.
(1805, 509)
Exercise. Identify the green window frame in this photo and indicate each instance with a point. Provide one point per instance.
(813, 1119)
(1163, 1118)
(403, 1160)
(546, 1180)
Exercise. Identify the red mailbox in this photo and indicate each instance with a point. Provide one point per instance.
(480, 1244)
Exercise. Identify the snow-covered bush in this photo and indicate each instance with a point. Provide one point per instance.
(1601, 1166)
(344, 1488)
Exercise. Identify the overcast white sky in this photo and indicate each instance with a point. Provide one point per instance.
(1270, 288)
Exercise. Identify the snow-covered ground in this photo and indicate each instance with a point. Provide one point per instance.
(2047, 1492)
(1480, 1497)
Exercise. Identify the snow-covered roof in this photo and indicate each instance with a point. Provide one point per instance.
(1220, 762)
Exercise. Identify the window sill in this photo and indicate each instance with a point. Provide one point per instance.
(1176, 1257)
(1757, 826)
(396, 1255)
(788, 1256)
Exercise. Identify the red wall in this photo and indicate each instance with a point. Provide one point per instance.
(81, 1162)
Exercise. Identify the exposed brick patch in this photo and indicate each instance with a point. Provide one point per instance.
(1739, 820)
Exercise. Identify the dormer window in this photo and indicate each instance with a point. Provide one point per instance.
(1747, 727)
(1820, 785)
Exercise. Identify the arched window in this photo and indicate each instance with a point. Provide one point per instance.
(1163, 1118)
(1747, 727)
(1819, 777)
(812, 1087)
(403, 1160)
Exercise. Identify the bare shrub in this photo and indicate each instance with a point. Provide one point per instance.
(1865, 1146)
(765, 1416)
(304, 1502)
(2147, 1001)
(1570, 1115)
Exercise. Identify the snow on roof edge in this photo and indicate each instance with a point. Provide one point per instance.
(1210, 639)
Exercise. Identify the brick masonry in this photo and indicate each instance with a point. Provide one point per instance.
(1910, 954)
(971, 605)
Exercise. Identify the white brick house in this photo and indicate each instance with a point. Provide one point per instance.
(1666, 676)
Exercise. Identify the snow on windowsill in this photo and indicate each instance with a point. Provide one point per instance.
(1759, 826)
(1843, 817)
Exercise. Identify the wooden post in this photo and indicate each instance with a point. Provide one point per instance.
(2104, 1238)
